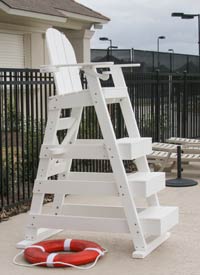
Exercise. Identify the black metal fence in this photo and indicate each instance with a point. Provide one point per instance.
(168, 62)
(165, 105)
(23, 109)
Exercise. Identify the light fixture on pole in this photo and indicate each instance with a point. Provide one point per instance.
(109, 49)
(171, 59)
(190, 16)
(171, 50)
(106, 39)
(158, 48)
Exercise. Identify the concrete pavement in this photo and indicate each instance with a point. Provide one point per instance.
(179, 255)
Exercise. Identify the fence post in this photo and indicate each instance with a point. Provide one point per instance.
(184, 106)
(132, 55)
(1, 153)
(169, 105)
(157, 107)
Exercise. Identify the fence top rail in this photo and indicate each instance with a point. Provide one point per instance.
(19, 70)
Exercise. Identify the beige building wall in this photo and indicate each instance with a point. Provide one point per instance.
(35, 50)
(80, 41)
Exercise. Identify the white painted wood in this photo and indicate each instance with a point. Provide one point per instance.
(65, 123)
(95, 149)
(132, 128)
(56, 159)
(78, 223)
(92, 210)
(168, 147)
(145, 184)
(67, 81)
(60, 50)
(73, 187)
(92, 176)
(55, 68)
(71, 100)
(116, 162)
(141, 184)
(158, 220)
(137, 254)
(133, 148)
(42, 234)
(155, 221)
(185, 141)
(43, 170)
(160, 155)
(165, 153)
(82, 98)
(56, 166)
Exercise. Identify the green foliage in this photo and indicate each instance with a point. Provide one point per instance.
(20, 161)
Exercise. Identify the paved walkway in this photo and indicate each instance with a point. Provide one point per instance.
(179, 255)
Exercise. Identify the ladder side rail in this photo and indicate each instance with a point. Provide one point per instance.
(42, 173)
(70, 138)
(131, 125)
(116, 162)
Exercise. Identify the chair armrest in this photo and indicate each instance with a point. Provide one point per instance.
(55, 68)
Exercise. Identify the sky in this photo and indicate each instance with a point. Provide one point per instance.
(138, 23)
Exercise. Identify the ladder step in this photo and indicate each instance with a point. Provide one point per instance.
(133, 148)
(130, 148)
(84, 99)
(65, 123)
(101, 184)
(145, 184)
(155, 221)
(158, 220)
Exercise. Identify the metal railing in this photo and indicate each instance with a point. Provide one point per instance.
(165, 105)
(23, 108)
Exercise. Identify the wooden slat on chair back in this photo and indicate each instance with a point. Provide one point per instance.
(61, 52)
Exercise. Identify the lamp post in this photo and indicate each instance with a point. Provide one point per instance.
(158, 48)
(171, 59)
(171, 50)
(109, 49)
(106, 39)
(190, 16)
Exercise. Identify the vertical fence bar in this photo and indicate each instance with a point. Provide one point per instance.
(10, 138)
(178, 108)
(6, 179)
(1, 145)
(27, 136)
(17, 127)
(32, 129)
(36, 118)
(157, 108)
(184, 106)
(169, 105)
(22, 178)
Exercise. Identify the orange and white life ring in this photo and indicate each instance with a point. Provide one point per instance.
(47, 252)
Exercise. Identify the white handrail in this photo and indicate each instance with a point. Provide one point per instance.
(55, 68)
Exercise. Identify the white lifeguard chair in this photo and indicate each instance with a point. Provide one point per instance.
(154, 221)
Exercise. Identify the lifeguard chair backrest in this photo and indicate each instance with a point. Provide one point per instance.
(61, 52)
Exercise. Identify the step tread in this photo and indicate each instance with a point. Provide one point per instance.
(125, 140)
(157, 213)
(144, 176)
(131, 140)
